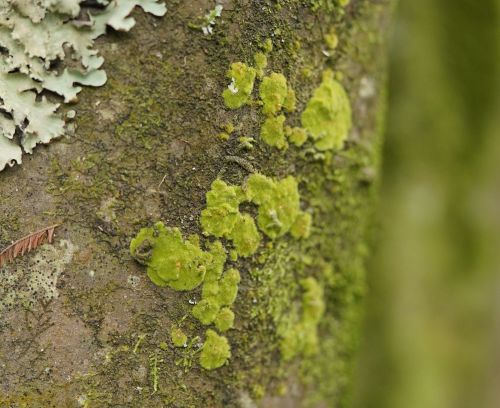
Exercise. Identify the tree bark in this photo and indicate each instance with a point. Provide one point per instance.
(81, 323)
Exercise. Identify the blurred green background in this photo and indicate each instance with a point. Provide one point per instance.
(432, 335)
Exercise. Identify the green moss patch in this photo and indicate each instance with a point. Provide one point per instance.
(302, 337)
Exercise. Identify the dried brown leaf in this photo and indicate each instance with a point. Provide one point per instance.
(27, 244)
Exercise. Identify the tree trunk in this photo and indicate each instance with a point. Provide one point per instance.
(81, 322)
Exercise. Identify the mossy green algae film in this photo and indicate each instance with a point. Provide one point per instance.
(302, 337)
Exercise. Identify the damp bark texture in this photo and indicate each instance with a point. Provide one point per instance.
(80, 321)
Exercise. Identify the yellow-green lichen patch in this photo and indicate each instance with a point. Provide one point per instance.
(224, 319)
(206, 310)
(239, 90)
(215, 295)
(245, 236)
(228, 287)
(216, 267)
(296, 135)
(327, 117)
(267, 45)
(273, 93)
(222, 218)
(228, 129)
(178, 337)
(273, 133)
(215, 351)
(260, 60)
(302, 337)
(222, 211)
(331, 40)
(301, 228)
(278, 202)
(290, 104)
(172, 261)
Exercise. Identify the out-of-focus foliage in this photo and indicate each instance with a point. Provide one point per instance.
(433, 321)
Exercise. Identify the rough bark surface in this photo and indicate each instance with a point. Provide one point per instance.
(80, 322)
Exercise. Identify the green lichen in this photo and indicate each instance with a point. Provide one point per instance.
(278, 202)
(172, 261)
(222, 218)
(260, 61)
(224, 319)
(228, 130)
(296, 135)
(215, 351)
(273, 93)
(273, 133)
(302, 337)
(327, 117)
(301, 228)
(222, 211)
(267, 45)
(228, 287)
(279, 210)
(178, 337)
(331, 40)
(206, 310)
(290, 104)
(216, 267)
(215, 295)
(238, 92)
(246, 143)
(245, 236)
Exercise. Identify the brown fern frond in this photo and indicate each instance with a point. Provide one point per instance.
(27, 244)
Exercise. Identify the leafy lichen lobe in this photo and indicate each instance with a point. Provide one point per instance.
(172, 261)
(239, 91)
(215, 352)
(327, 117)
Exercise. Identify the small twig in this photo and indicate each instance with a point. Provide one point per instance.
(27, 244)
(162, 180)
